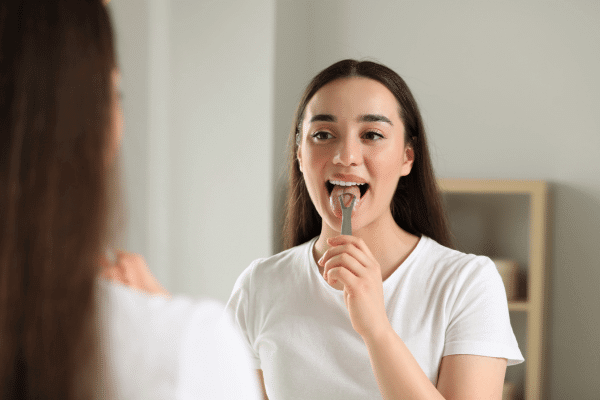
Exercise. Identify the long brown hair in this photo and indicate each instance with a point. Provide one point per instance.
(56, 61)
(416, 205)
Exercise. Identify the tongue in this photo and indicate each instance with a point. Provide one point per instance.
(334, 198)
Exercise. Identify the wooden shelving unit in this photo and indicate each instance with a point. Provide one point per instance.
(509, 219)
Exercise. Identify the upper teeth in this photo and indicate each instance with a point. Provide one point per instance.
(342, 183)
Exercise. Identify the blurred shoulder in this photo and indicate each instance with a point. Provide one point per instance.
(122, 302)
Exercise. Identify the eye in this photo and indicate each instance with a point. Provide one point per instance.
(372, 135)
(322, 135)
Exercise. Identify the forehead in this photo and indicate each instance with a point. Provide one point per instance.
(354, 96)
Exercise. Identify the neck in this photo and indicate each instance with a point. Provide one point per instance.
(389, 244)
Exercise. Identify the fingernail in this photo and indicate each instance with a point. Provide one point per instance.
(320, 262)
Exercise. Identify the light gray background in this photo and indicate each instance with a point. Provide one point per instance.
(508, 89)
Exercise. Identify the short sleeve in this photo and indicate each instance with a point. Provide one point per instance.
(239, 309)
(214, 362)
(479, 321)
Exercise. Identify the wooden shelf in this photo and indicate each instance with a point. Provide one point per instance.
(518, 306)
(510, 216)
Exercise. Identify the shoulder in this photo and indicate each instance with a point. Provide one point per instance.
(214, 360)
(131, 307)
(470, 281)
(453, 261)
(454, 269)
(278, 267)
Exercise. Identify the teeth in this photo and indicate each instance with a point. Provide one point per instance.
(342, 183)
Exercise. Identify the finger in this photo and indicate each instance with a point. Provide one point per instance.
(145, 276)
(130, 269)
(365, 258)
(346, 261)
(142, 272)
(153, 284)
(349, 249)
(343, 275)
(113, 274)
(352, 241)
(141, 276)
(118, 273)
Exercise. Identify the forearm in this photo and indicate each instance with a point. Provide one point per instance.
(398, 374)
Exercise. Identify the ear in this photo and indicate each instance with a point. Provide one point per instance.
(408, 160)
(299, 157)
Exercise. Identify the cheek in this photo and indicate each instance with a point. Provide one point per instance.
(313, 161)
(313, 165)
(387, 170)
(384, 159)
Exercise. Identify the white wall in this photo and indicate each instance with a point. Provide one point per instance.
(221, 135)
(508, 89)
(130, 22)
(197, 150)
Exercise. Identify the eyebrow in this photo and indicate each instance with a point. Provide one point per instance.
(362, 118)
(323, 117)
(375, 118)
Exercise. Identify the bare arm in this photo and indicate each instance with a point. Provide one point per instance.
(471, 377)
(261, 380)
(398, 374)
(461, 377)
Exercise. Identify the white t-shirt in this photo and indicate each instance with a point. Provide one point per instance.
(157, 348)
(439, 301)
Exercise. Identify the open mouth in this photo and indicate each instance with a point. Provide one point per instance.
(362, 187)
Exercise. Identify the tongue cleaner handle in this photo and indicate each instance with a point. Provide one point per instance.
(346, 215)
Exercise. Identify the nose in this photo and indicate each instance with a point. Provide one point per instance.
(348, 152)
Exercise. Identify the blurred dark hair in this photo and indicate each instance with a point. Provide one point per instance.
(56, 64)
(416, 205)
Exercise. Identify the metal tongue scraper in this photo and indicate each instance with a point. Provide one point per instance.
(347, 214)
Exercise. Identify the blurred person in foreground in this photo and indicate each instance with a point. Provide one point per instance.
(65, 332)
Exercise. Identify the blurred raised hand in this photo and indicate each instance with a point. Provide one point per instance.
(131, 270)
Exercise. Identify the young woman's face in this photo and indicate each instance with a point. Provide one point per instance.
(353, 142)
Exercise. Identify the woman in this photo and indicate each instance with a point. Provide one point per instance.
(390, 311)
(61, 128)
